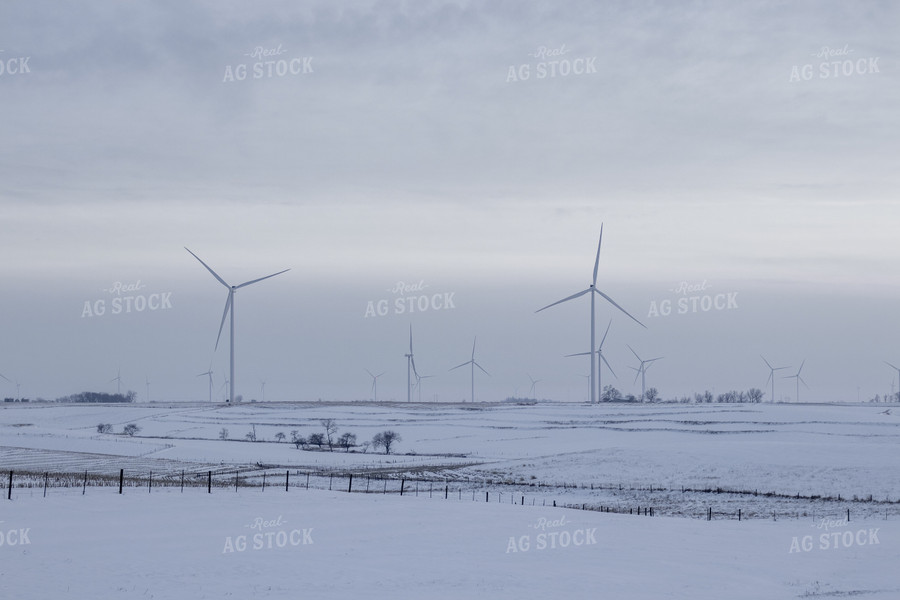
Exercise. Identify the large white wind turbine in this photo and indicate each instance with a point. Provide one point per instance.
(600, 359)
(474, 364)
(798, 378)
(772, 374)
(534, 383)
(642, 370)
(229, 307)
(210, 374)
(374, 384)
(592, 290)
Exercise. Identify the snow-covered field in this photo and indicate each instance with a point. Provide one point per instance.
(168, 544)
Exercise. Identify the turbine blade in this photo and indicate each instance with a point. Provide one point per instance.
(462, 365)
(635, 353)
(473, 347)
(208, 268)
(885, 362)
(597, 260)
(801, 367)
(765, 361)
(636, 375)
(5, 377)
(573, 296)
(224, 314)
(803, 382)
(603, 358)
(579, 354)
(604, 335)
(480, 367)
(370, 373)
(246, 283)
(771, 376)
(620, 308)
(410, 338)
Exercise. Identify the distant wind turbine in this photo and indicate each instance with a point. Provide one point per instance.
(262, 390)
(118, 380)
(210, 374)
(892, 381)
(418, 385)
(642, 370)
(772, 374)
(229, 307)
(474, 364)
(799, 379)
(148, 388)
(600, 358)
(534, 383)
(374, 384)
(592, 290)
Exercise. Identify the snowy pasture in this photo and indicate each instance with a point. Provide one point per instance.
(164, 543)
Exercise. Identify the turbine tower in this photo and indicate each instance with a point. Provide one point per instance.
(474, 364)
(772, 374)
(799, 379)
(892, 381)
(229, 307)
(374, 384)
(600, 359)
(410, 367)
(642, 370)
(592, 290)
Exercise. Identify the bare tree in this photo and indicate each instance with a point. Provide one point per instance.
(251, 435)
(346, 441)
(330, 429)
(131, 429)
(104, 428)
(385, 440)
(223, 434)
(318, 439)
(279, 437)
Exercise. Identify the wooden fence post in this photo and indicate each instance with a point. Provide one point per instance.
(402, 484)
(209, 482)
(264, 481)
(150, 483)
(182, 481)
(486, 494)
(121, 479)
(46, 479)
(350, 485)
(235, 480)
(307, 481)
(9, 489)
(84, 487)
(287, 479)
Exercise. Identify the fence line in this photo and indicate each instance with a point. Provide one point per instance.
(236, 479)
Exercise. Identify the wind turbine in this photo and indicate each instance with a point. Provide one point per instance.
(262, 390)
(210, 373)
(898, 376)
(229, 307)
(772, 374)
(148, 387)
(118, 380)
(600, 359)
(592, 290)
(642, 370)
(799, 379)
(375, 384)
(474, 364)
(419, 379)
(534, 382)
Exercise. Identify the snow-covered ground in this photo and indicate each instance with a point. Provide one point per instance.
(168, 544)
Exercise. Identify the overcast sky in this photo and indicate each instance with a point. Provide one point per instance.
(752, 147)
